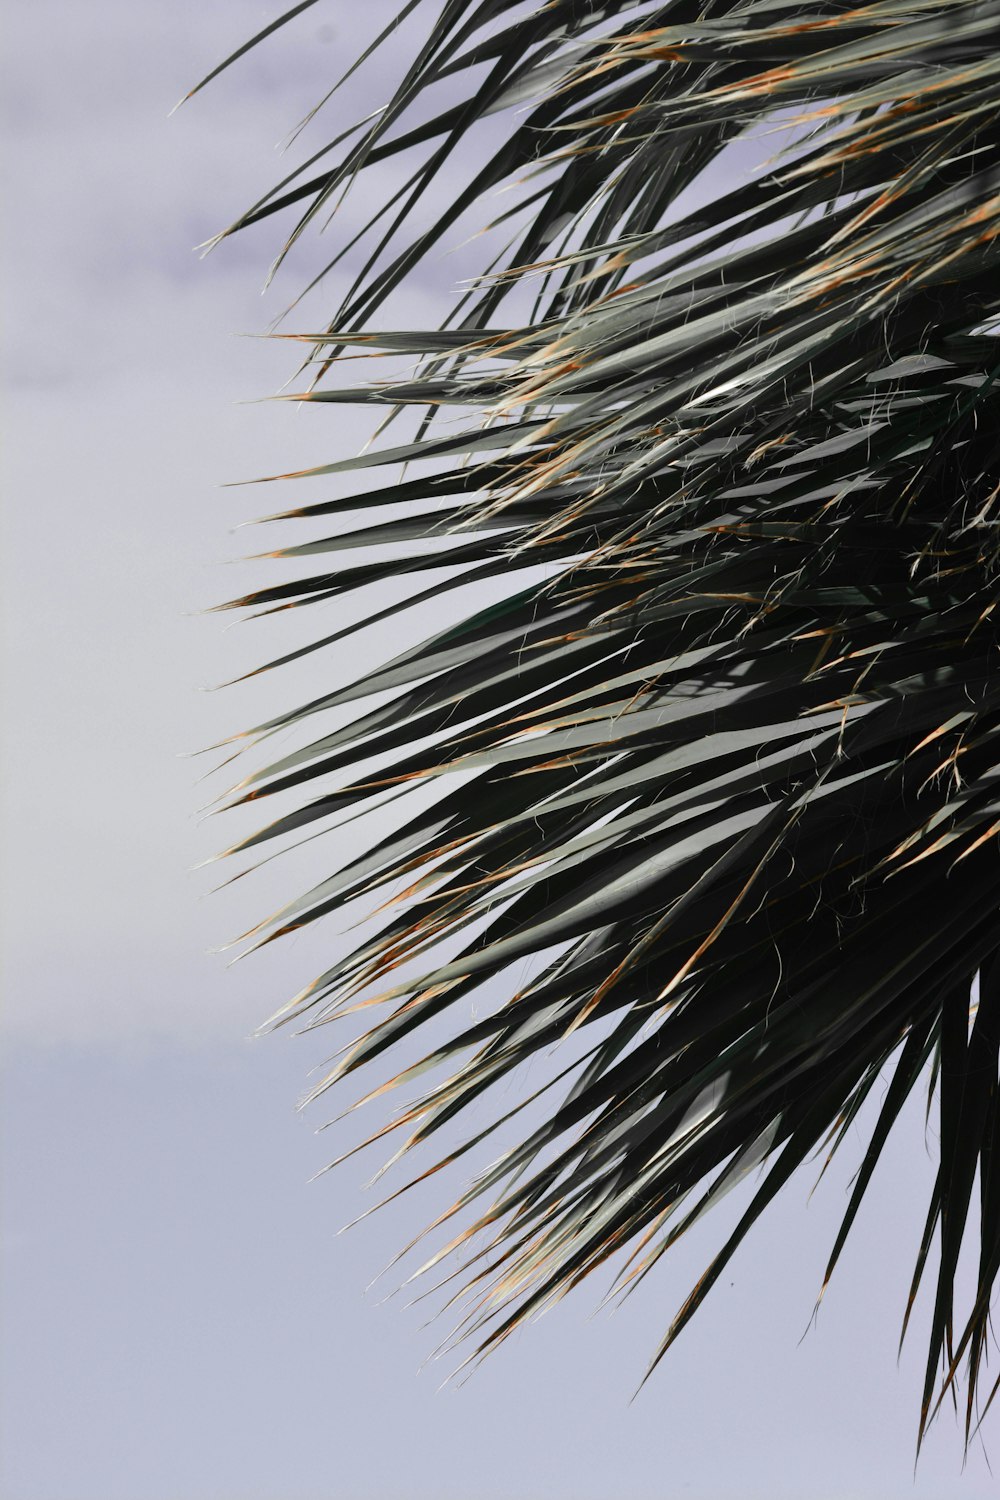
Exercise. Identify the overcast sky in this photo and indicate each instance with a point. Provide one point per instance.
(180, 1321)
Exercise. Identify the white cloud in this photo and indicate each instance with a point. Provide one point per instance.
(123, 373)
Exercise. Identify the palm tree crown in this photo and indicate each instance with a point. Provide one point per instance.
(726, 444)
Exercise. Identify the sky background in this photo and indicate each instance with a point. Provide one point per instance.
(180, 1319)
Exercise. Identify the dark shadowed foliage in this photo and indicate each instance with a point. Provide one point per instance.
(733, 761)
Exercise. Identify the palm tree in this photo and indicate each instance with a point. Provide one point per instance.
(718, 749)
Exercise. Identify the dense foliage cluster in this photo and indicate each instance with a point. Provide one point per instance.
(735, 758)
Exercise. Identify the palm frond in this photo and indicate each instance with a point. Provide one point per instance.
(727, 440)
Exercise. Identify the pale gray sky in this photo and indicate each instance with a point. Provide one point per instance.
(179, 1321)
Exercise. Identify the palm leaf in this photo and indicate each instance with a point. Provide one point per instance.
(731, 769)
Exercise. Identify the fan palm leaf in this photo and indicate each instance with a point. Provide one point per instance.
(721, 756)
